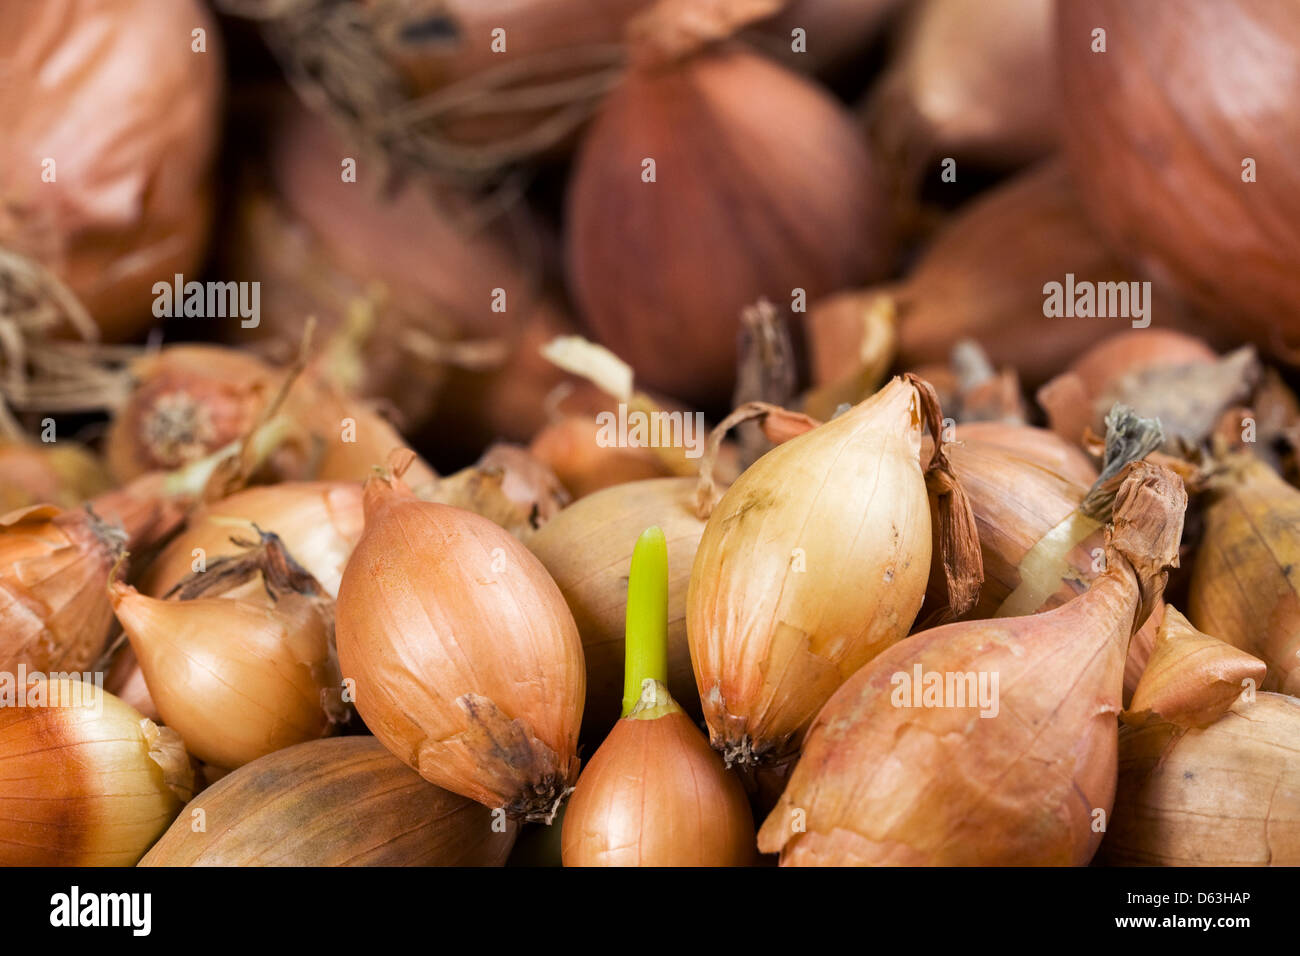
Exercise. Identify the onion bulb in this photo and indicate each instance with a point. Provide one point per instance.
(1006, 728)
(465, 659)
(1147, 124)
(340, 802)
(806, 571)
(587, 548)
(760, 187)
(244, 667)
(1244, 579)
(654, 794)
(1228, 795)
(63, 474)
(84, 779)
(110, 120)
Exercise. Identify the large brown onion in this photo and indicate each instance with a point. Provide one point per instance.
(1158, 130)
(762, 187)
(112, 92)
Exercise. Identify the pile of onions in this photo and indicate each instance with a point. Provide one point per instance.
(982, 278)
(1147, 125)
(465, 660)
(1243, 587)
(1015, 773)
(1227, 795)
(84, 779)
(341, 802)
(128, 199)
(761, 186)
(806, 571)
(971, 80)
(587, 548)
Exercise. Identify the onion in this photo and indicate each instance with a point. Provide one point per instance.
(85, 781)
(1228, 795)
(245, 668)
(1161, 374)
(587, 548)
(1242, 589)
(971, 80)
(341, 802)
(509, 486)
(761, 187)
(983, 276)
(806, 571)
(465, 659)
(1024, 787)
(1147, 124)
(571, 448)
(654, 794)
(62, 474)
(390, 273)
(111, 91)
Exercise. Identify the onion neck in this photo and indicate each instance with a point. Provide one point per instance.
(645, 669)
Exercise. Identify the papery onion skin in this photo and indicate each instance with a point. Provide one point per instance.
(806, 571)
(319, 523)
(762, 186)
(587, 549)
(340, 802)
(656, 794)
(80, 788)
(112, 91)
(53, 567)
(236, 677)
(1022, 786)
(453, 634)
(1037, 445)
(1228, 795)
(1244, 579)
(1147, 124)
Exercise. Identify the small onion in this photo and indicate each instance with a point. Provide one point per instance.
(340, 802)
(761, 187)
(86, 781)
(111, 92)
(465, 659)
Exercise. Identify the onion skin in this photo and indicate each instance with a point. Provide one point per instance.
(570, 448)
(1036, 445)
(238, 676)
(1017, 788)
(762, 187)
(1228, 795)
(456, 637)
(1146, 125)
(770, 644)
(1243, 588)
(319, 523)
(340, 802)
(54, 615)
(982, 278)
(587, 549)
(84, 789)
(656, 794)
(133, 145)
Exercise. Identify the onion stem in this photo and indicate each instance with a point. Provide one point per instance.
(646, 648)
(193, 478)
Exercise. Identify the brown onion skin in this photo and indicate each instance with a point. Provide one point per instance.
(111, 90)
(1147, 124)
(1227, 795)
(656, 794)
(763, 186)
(340, 802)
(454, 636)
